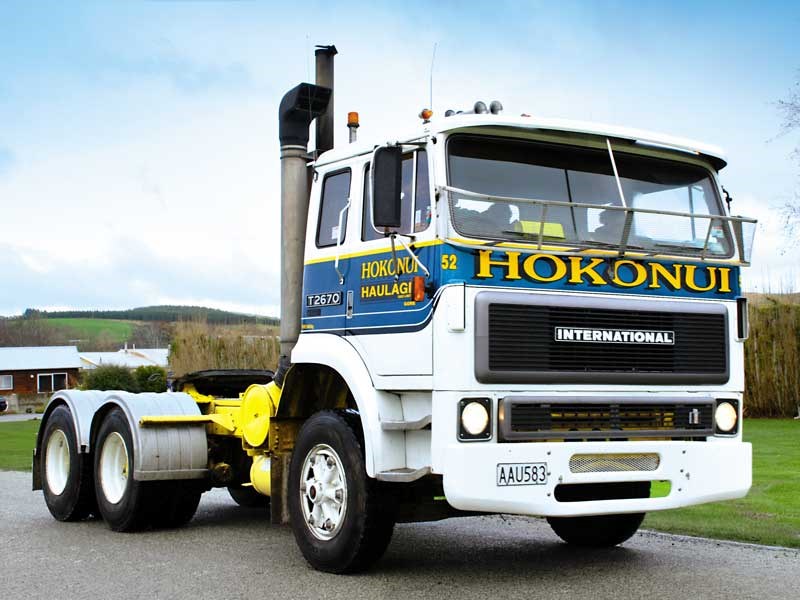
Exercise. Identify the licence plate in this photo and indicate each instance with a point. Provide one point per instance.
(521, 474)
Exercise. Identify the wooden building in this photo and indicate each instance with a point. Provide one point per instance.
(38, 370)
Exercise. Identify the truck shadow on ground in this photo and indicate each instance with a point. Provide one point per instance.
(469, 547)
(504, 546)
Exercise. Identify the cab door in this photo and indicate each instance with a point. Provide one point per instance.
(326, 269)
(391, 328)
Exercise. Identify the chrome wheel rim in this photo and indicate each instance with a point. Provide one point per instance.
(323, 492)
(57, 462)
(114, 468)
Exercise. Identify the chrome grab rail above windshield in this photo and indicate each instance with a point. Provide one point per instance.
(735, 221)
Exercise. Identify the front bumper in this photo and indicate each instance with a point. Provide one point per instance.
(698, 471)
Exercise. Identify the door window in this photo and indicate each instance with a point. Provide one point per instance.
(335, 192)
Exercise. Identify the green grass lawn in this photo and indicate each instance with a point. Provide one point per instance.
(770, 513)
(93, 329)
(17, 440)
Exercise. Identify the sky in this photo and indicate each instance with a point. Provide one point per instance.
(138, 139)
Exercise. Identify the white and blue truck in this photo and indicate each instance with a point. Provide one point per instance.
(490, 314)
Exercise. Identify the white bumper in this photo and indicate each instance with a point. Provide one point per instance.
(698, 471)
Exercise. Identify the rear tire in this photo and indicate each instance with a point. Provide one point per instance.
(248, 497)
(177, 503)
(124, 503)
(341, 519)
(65, 473)
(601, 531)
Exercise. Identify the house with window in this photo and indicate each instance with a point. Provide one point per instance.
(38, 369)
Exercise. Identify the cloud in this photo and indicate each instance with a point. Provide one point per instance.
(133, 276)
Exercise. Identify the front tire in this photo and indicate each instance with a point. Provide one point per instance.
(66, 474)
(341, 520)
(601, 531)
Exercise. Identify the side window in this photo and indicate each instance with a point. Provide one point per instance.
(368, 232)
(416, 199)
(422, 206)
(335, 191)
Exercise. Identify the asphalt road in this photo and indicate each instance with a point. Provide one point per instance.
(228, 552)
(19, 417)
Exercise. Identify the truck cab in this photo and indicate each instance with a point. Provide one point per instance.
(554, 326)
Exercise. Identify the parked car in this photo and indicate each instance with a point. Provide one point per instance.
(3, 404)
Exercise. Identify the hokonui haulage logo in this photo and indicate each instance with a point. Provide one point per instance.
(614, 336)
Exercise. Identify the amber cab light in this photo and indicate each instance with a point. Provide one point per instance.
(419, 288)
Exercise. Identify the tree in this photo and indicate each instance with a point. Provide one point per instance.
(150, 379)
(790, 109)
(790, 112)
(110, 377)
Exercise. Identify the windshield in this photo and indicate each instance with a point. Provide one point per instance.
(549, 174)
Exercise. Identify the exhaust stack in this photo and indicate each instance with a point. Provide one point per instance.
(299, 106)
(324, 76)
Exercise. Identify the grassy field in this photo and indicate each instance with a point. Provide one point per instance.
(17, 440)
(93, 329)
(770, 514)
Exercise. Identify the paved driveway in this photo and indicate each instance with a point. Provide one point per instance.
(229, 552)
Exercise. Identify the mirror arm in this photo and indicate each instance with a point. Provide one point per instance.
(392, 236)
(339, 242)
(413, 256)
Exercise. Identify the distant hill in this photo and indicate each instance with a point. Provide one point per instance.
(165, 313)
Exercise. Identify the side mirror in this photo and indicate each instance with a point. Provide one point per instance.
(387, 165)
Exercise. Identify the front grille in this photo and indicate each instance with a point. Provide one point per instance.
(531, 419)
(613, 463)
(521, 345)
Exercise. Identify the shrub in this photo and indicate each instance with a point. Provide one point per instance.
(772, 358)
(110, 377)
(150, 379)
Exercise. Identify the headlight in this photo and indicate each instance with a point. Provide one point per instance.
(725, 416)
(475, 422)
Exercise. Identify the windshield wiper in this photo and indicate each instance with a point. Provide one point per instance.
(681, 247)
(598, 244)
(532, 234)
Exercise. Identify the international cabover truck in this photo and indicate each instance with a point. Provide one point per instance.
(489, 314)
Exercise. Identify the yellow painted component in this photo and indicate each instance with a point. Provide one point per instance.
(260, 475)
(224, 421)
(198, 397)
(259, 403)
(550, 230)
(228, 413)
(221, 414)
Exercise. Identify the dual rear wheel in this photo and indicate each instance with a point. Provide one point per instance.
(75, 486)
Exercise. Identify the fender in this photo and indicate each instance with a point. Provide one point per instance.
(383, 450)
(163, 452)
(82, 405)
